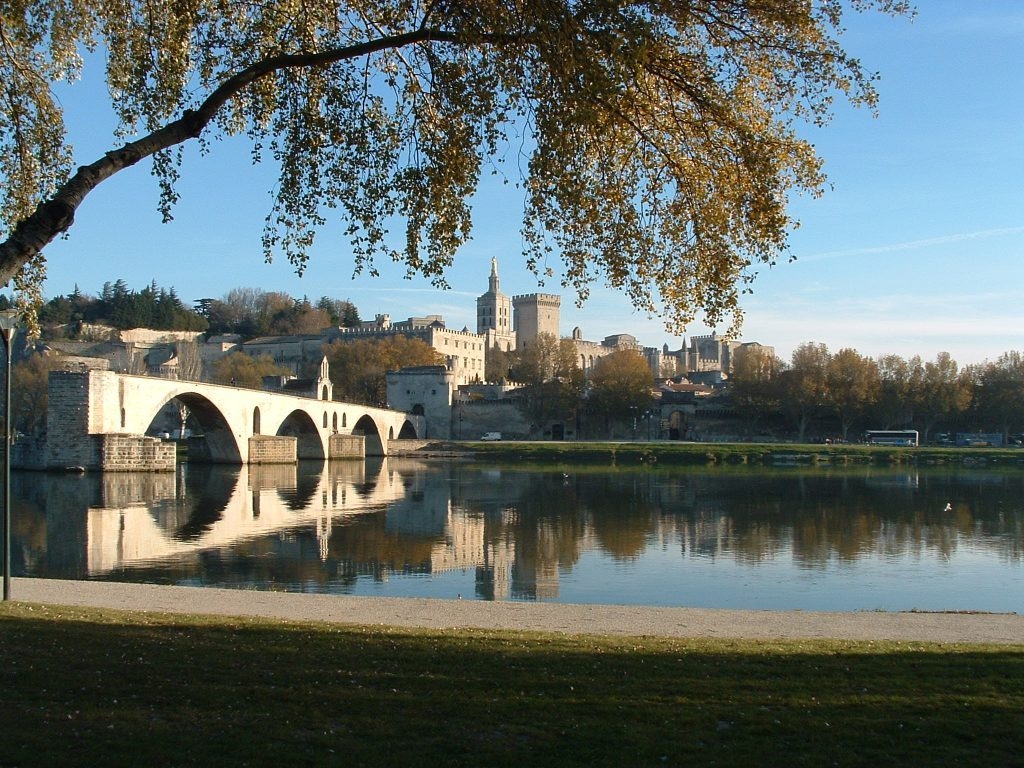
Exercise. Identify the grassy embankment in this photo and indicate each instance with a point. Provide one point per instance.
(668, 453)
(89, 687)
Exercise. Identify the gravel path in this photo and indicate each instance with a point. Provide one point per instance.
(544, 617)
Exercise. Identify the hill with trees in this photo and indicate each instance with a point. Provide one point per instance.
(248, 312)
(122, 308)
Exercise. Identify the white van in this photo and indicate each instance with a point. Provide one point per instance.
(491, 436)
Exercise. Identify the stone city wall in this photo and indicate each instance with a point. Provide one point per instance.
(472, 419)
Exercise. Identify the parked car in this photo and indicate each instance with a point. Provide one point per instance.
(491, 436)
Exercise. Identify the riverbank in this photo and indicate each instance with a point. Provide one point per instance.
(1001, 628)
(670, 453)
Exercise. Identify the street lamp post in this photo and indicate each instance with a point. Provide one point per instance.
(8, 325)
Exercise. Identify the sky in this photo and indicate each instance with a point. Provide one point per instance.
(915, 249)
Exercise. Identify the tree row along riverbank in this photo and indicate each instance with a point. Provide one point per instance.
(695, 454)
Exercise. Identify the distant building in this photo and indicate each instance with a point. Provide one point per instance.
(424, 390)
(494, 315)
(534, 314)
(502, 324)
(589, 352)
(463, 350)
(510, 324)
(714, 353)
(291, 352)
(319, 388)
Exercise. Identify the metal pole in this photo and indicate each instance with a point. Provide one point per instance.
(8, 334)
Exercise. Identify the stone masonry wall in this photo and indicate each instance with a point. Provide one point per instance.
(133, 453)
(273, 449)
(67, 420)
(347, 447)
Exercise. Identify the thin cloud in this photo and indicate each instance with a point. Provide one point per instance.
(913, 244)
(993, 25)
(434, 291)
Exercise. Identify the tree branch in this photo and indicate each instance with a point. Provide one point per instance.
(55, 216)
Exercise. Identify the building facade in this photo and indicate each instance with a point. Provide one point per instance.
(463, 351)
(494, 315)
(534, 314)
(425, 390)
(714, 353)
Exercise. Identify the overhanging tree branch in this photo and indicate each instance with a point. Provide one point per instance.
(55, 216)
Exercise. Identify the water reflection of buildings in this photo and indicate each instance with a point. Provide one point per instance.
(137, 524)
(142, 520)
(458, 535)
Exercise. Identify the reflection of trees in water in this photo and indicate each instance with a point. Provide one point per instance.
(622, 512)
(851, 514)
(366, 546)
(48, 520)
(758, 515)
(544, 520)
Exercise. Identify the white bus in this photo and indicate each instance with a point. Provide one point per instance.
(901, 437)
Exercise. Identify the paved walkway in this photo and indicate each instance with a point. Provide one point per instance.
(543, 617)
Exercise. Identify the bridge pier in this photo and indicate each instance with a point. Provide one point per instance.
(346, 447)
(273, 449)
(115, 453)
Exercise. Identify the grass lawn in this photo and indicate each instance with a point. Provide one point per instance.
(104, 688)
(670, 453)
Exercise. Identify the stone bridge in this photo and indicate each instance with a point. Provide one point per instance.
(100, 419)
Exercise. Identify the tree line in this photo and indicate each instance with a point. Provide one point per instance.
(248, 312)
(119, 307)
(253, 312)
(818, 389)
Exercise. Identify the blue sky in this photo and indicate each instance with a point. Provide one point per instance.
(916, 248)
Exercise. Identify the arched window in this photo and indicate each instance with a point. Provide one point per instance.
(325, 419)
(334, 422)
(256, 420)
(344, 421)
(123, 418)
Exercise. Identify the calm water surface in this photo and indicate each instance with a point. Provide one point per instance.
(783, 538)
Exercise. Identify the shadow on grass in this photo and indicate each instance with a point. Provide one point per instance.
(104, 688)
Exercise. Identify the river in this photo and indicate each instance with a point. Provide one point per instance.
(860, 538)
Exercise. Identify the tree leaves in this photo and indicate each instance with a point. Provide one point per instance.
(659, 140)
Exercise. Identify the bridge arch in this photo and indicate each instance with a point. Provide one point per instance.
(372, 442)
(300, 425)
(221, 444)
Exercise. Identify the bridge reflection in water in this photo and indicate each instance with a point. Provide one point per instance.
(132, 521)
